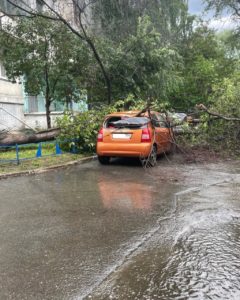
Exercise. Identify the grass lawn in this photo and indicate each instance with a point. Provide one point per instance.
(26, 151)
(31, 164)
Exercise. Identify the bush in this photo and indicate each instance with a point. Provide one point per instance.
(225, 101)
(215, 132)
(80, 131)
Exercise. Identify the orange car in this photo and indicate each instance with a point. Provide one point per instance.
(131, 134)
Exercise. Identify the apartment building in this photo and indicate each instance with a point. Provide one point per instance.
(17, 109)
(11, 102)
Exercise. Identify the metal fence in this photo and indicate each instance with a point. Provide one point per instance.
(17, 153)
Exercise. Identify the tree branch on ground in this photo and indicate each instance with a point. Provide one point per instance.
(226, 118)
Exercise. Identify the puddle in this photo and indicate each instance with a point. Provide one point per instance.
(197, 257)
(121, 232)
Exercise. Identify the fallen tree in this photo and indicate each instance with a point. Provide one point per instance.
(10, 139)
(216, 115)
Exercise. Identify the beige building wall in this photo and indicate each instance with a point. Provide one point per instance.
(11, 103)
(11, 99)
(68, 11)
(10, 92)
(38, 120)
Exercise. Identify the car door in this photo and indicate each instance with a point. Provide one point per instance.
(162, 133)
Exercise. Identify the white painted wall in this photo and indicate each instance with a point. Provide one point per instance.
(39, 120)
(11, 104)
(11, 116)
(10, 92)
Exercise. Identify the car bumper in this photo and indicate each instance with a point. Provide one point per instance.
(125, 150)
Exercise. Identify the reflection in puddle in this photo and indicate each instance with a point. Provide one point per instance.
(125, 195)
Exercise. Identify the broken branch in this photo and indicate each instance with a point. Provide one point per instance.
(204, 108)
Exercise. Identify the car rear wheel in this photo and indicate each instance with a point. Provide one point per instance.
(153, 156)
(172, 147)
(104, 160)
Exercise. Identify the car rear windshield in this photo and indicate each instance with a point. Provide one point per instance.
(125, 122)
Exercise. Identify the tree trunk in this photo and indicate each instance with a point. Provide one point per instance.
(98, 59)
(11, 139)
(48, 112)
(47, 97)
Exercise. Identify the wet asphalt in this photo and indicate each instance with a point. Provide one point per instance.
(122, 232)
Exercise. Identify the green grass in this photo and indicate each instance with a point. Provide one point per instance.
(31, 164)
(26, 151)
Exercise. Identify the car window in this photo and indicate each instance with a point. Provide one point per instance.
(161, 121)
(131, 122)
(108, 122)
(155, 120)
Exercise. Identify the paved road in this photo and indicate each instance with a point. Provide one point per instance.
(122, 232)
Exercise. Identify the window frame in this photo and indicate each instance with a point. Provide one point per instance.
(3, 73)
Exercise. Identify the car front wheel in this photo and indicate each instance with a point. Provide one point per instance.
(104, 160)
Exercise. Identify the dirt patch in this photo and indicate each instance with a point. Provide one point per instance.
(200, 155)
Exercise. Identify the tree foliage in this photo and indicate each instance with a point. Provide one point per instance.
(38, 50)
(230, 6)
(206, 63)
(147, 49)
(118, 19)
(81, 130)
(140, 65)
(225, 100)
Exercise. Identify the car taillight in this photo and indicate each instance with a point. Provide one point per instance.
(146, 136)
(100, 135)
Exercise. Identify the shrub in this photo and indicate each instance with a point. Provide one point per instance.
(80, 131)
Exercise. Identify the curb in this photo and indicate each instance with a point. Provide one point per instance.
(44, 170)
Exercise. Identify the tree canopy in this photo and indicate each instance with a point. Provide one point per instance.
(144, 48)
(119, 49)
(38, 50)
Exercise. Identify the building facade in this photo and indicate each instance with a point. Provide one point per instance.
(18, 110)
(11, 102)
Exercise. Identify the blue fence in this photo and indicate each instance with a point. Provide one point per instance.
(36, 150)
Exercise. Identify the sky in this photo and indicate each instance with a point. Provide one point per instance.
(196, 7)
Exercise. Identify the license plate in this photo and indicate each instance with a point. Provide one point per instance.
(125, 136)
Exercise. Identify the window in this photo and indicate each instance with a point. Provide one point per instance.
(32, 104)
(5, 5)
(12, 9)
(2, 71)
(126, 122)
(155, 121)
(39, 5)
(8, 7)
(162, 121)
